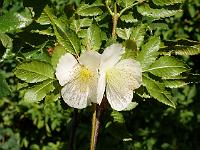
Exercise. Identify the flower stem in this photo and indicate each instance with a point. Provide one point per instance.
(95, 126)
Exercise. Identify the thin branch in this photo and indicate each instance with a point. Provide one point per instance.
(125, 9)
(110, 11)
(73, 129)
(115, 18)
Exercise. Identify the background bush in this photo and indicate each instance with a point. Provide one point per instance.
(150, 125)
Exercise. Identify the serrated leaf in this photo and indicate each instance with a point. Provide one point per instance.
(157, 90)
(68, 39)
(167, 2)
(39, 91)
(149, 52)
(138, 34)
(76, 25)
(128, 18)
(43, 19)
(4, 88)
(131, 106)
(146, 10)
(6, 40)
(89, 10)
(124, 33)
(65, 36)
(35, 71)
(14, 21)
(167, 66)
(174, 83)
(125, 3)
(57, 53)
(117, 117)
(93, 40)
(181, 50)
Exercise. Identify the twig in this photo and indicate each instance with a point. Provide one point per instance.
(73, 129)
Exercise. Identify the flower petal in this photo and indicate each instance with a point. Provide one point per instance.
(101, 86)
(111, 55)
(90, 59)
(122, 79)
(74, 95)
(65, 68)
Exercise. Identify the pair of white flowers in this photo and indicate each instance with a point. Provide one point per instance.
(87, 78)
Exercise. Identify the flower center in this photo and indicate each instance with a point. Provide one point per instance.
(85, 74)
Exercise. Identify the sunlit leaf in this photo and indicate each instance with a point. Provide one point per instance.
(157, 90)
(34, 71)
(39, 91)
(124, 33)
(167, 2)
(149, 52)
(89, 10)
(167, 66)
(146, 10)
(14, 21)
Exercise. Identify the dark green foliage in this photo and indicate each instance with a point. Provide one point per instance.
(35, 44)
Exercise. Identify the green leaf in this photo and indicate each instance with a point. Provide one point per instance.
(131, 106)
(76, 25)
(128, 18)
(181, 50)
(6, 40)
(138, 34)
(175, 83)
(149, 52)
(4, 88)
(117, 117)
(167, 2)
(167, 66)
(157, 90)
(125, 3)
(65, 36)
(34, 71)
(93, 38)
(43, 19)
(39, 91)
(89, 10)
(14, 21)
(68, 39)
(57, 53)
(124, 33)
(146, 10)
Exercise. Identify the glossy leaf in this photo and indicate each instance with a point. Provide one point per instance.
(117, 116)
(39, 91)
(89, 10)
(157, 90)
(167, 66)
(149, 52)
(6, 40)
(14, 21)
(174, 83)
(146, 10)
(167, 2)
(138, 34)
(124, 33)
(181, 50)
(35, 71)
(93, 40)
(128, 18)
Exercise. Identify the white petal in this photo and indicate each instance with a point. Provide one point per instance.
(111, 55)
(101, 87)
(90, 59)
(122, 79)
(65, 68)
(74, 96)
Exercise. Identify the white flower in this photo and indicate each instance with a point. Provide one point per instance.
(118, 77)
(79, 78)
(86, 79)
